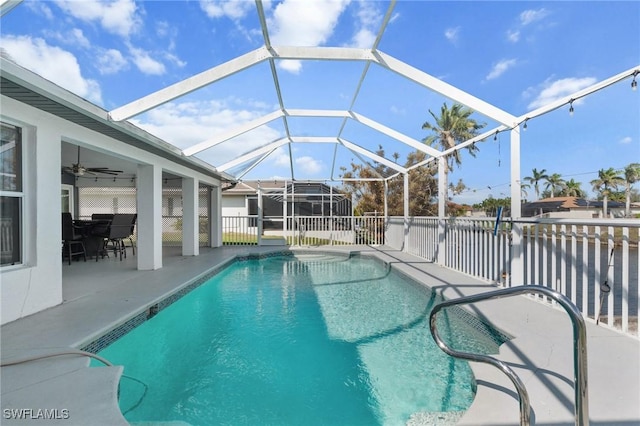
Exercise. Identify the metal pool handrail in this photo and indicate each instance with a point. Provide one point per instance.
(579, 353)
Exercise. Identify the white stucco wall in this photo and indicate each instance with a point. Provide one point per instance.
(37, 283)
(234, 205)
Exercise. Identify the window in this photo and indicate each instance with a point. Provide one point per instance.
(10, 195)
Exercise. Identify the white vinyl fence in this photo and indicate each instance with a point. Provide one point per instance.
(304, 230)
(579, 258)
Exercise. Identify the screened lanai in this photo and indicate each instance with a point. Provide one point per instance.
(293, 101)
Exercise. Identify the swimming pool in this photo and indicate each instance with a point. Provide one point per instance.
(305, 339)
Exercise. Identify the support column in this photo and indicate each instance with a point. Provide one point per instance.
(190, 219)
(285, 211)
(331, 215)
(517, 252)
(386, 209)
(405, 245)
(260, 214)
(149, 197)
(442, 203)
(215, 220)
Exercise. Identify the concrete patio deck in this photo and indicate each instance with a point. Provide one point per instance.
(98, 296)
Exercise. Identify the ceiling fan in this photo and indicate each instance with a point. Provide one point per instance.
(78, 169)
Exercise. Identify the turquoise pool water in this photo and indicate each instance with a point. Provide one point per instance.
(313, 340)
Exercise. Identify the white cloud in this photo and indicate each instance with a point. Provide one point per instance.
(117, 16)
(175, 59)
(74, 37)
(292, 65)
(369, 19)
(39, 7)
(364, 38)
(554, 90)
(525, 18)
(233, 9)
(185, 124)
(626, 140)
(280, 158)
(452, 34)
(529, 16)
(52, 63)
(500, 68)
(513, 36)
(309, 164)
(165, 30)
(300, 23)
(111, 61)
(145, 63)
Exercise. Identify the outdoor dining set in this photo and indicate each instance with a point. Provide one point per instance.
(97, 236)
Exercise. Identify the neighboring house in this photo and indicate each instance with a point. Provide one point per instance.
(311, 199)
(571, 207)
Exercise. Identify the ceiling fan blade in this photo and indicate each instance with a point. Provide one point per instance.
(104, 170)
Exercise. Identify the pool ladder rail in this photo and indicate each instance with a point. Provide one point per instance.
(581, 400)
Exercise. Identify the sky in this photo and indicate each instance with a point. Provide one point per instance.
(515, 55)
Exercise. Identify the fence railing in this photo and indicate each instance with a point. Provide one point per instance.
(594, 262)
(304, 230)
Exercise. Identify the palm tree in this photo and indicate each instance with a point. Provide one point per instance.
(452, 127)
(572, 189)
(523, 189)
(607, 180)
(554, 182)
(537, 176)
(631, 176)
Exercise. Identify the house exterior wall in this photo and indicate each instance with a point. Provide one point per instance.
(36, 283)
(234, 205)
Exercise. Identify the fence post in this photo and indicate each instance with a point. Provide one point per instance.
(405, 244)
(442, 199)
(260, 212)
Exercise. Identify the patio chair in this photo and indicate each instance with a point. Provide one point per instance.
(132, 233)
(72, 243)
(119, 229)
(102, 216)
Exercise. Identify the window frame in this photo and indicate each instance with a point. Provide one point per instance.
(17, 195)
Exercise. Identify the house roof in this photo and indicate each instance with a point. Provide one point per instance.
(569, 203)
(250, 187)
